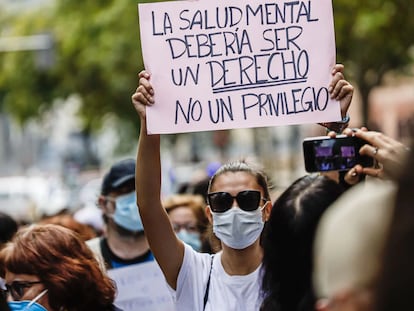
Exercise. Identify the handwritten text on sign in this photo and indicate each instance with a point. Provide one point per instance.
(142, 287)
(238, 63)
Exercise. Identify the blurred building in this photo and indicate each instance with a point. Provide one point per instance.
(20, 5)
(392, 109)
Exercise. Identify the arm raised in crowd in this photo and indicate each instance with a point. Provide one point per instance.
(167, 248)
(341, 90)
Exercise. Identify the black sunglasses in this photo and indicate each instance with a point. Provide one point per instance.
(247, 200)
(16, 288)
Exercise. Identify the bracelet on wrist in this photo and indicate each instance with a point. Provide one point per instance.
(338, 126)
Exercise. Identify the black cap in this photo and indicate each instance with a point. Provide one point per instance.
(119, 174)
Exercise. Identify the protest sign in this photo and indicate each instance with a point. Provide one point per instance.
(238, 63)
(141, 287)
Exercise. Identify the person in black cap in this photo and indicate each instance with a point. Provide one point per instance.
(124, 242)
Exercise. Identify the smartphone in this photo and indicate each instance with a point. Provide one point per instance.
(323, 153)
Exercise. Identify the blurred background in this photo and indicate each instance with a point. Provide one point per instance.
(68, 69)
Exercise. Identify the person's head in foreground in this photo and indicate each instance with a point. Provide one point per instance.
(48, 267)
(348, 247)
(288, 240)
(396, 281)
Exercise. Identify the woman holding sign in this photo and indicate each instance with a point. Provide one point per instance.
(238, 205)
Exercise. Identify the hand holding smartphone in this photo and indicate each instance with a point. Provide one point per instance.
(322, 153)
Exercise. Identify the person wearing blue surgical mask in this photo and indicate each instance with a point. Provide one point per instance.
(124, 242)
(26, 292)
(28, 305)
(50, 268)
(23, 292)
(188, 218)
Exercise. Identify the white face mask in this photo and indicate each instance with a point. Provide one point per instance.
(236, 228)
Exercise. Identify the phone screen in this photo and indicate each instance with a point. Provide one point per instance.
(333, 154)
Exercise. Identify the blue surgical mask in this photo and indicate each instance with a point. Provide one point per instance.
(190, 238)
(126, 213)
(28, 305)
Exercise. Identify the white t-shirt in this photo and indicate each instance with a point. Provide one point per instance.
(226, 292)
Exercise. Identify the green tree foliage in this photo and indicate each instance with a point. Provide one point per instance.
(373, 37)
(23, 88)
(97, 53)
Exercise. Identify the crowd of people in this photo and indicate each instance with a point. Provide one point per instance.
(330, 241)
(277, 266)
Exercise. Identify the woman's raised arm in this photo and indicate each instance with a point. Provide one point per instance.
(166, 247)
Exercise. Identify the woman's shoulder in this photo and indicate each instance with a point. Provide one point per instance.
(195, 261)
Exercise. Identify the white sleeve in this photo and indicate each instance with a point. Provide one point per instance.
(192, 280)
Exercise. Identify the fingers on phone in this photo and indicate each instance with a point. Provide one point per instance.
(348, 132)
(373, 172)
